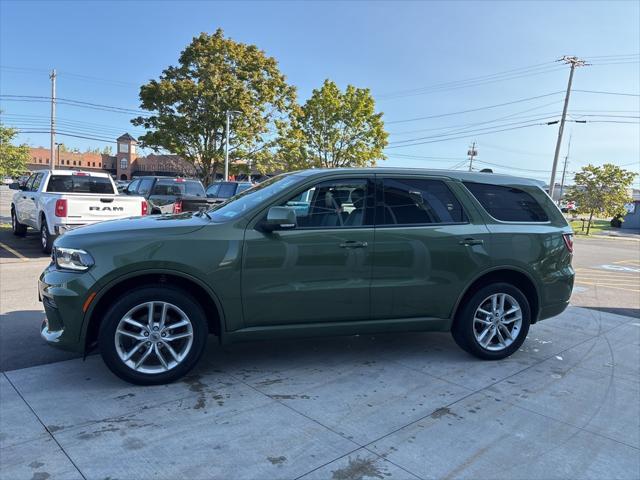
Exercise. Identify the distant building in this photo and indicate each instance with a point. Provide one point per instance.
(124, 165)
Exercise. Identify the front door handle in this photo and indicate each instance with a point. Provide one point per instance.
(352, 244)
(468, 242)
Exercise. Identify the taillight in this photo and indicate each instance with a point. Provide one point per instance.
(145, 207)
(568, 241)
(61, 207)
(177, 207)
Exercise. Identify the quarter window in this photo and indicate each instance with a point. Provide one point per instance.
(507, 203)
(418, 201)
(36, 182)
(145, 186)
(333, 204)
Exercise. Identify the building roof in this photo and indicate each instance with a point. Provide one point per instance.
(128, 138)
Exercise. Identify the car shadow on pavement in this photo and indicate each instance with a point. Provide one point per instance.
(20, 342)
(627, 312)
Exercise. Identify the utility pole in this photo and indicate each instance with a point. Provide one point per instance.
(573, 62)
(564, 169)
(53, 117)
(472, 152)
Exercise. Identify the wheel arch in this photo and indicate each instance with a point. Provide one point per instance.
(516, 277)
(106, 295)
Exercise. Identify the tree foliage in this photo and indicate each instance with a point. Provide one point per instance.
(332, 129)
(13, 159)
(601, 190)
(187, 105)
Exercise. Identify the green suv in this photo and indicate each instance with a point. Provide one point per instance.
(317, 252)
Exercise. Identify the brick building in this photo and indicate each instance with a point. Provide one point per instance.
(124, 165)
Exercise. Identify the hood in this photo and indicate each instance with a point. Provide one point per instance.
(161, 224)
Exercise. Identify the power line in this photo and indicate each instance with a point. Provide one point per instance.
(511, 115)
(475, 109)
(466, 136)
(609, 93)
(467, 84)
(471, 131)
(73, 102)
(66, 134)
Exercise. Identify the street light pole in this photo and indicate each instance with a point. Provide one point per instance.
(57, 155)
(226, 149)
(226, 145)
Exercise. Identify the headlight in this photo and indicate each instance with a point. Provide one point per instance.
(72, 259)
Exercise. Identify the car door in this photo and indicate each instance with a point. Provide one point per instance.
(428, 247)
(23, 199)
(319, 271)
(32, 202)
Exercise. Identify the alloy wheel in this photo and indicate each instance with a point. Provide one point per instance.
(497, 322)
(154, 337)
(44, 237)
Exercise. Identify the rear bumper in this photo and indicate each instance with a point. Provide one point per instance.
(65, 227)
(549, 311)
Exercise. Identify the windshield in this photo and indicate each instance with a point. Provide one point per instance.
(245, 201)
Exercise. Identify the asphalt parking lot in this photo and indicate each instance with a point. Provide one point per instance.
(567, 405)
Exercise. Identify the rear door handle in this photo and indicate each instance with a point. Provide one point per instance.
(352, 244)
(468, 242)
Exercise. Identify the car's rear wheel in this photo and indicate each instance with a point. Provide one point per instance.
(19, 230)
(46, 239)
(494, 322)
(153, 335)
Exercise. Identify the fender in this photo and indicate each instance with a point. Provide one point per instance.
(485, 272)
(86, 320)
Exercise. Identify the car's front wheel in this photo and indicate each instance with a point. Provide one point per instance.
(494, 322)
(153, 335)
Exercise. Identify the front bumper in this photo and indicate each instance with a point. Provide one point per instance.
(63, 295)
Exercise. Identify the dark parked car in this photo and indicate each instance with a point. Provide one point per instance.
(169, 195)
(222, 191)
(314, 253)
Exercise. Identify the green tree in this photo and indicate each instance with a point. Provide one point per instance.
(187, 105)
(601, 190)
(107, 150)
(13, 159)
(332, 129)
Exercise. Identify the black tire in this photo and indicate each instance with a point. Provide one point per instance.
(19, 230)
(464, 328)
(46, 239)
(129, 301)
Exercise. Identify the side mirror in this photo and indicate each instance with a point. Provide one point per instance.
(280, 218)
(14, 186)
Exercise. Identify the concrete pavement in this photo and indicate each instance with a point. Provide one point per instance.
(395, 406)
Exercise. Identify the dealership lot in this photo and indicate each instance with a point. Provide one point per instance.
(390, 406)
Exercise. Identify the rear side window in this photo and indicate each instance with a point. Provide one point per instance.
(227, 190)
(418, 201)
(195, 188)
(79, 184)
(145, 186)
(508, 204)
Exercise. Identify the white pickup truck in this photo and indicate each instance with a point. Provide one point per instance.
(54, 201)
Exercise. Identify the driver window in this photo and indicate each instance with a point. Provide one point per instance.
(333, 204)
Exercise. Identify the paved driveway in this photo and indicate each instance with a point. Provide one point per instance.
(396, 406)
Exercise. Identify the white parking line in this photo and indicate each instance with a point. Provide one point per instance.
(14, 252)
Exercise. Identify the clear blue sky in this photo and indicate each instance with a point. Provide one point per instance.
(389, 47)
